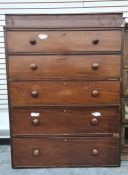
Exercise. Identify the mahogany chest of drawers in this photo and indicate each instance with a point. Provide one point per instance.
(65, 86)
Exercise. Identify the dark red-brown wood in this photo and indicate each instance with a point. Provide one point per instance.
(65, 151)
(22, 67)
(64, 68)
(73, 121)
(64, 93)
(63, 41)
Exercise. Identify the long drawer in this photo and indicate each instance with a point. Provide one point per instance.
(65, 151)
(68, 121)
(63, 41)
(24, 67)
(64, 93)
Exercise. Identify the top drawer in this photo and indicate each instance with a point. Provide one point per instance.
(63, 41)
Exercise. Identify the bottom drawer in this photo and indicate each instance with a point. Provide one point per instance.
(65, 151)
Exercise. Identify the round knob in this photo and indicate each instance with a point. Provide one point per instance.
(32, 41)
(36, 152)
(34, 93)
(95, 41)
(35, 121)
(94, 121)
(33, 66)
(94, 152)
(95, 66)
(95, 93)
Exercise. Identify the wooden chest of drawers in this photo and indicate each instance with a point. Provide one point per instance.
(64, 84)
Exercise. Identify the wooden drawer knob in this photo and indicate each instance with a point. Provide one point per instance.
(95, 41)
(32, 41)
(94, 121)
(34, 93)
(36, 152)
(33, 66)
(35, 122)
(95, 93)
(94, 152)
(95, 66)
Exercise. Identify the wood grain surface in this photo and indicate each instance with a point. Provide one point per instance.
(65, 151)
(63, 41)
(64, 93)
(68, 121)
(64, 67)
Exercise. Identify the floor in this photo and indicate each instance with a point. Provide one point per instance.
(5, 168)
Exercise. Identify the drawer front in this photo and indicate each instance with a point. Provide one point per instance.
(27, 121)
(63, 41)
(65, 151)
(64, 67)
(64, 93)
